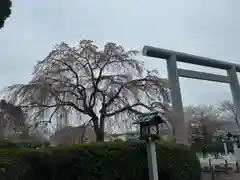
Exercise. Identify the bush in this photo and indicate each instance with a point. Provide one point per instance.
(25, 144)
(119, 141)
(213, 148)
(105, 161)
(6, 144)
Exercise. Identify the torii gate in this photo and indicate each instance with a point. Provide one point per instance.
(181, 128)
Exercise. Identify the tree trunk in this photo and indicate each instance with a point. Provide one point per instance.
(1, 130)
(2, 127)
(98, 126)
(100, 135)
(100, 131)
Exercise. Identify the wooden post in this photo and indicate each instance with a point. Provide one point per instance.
(211, 169)
(237, 167)
(226, 166)
(152, 160)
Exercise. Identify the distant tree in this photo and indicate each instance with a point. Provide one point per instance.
(195, 112)
(5, 11)
(12, 117)
(208, 129)
(203, 122)
(228, 110)
(99, 85)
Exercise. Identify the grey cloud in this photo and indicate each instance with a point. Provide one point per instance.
(201, 27)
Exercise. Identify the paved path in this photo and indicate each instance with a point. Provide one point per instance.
(230, 176)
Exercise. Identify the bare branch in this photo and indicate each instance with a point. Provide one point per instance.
(229, 111)
(101, 85)
(128, 107)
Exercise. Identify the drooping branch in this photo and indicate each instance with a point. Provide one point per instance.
(129, 108)
(47, 121)
(104, 85)
(228, 108)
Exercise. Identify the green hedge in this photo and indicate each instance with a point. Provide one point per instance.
(213, 148)
(105, 161)
(7, 144)
(22, 144)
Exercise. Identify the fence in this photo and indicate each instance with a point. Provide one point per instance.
(221, 171)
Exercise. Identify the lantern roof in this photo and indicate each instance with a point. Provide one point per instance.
(150, 118)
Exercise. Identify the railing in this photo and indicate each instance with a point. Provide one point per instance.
(218, 167)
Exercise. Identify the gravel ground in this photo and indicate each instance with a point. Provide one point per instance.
(230, 176)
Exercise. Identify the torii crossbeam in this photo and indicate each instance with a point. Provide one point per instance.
(181, 127)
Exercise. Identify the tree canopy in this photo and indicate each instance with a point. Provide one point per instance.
(12, 120)
(203, 123)
(229, 111)
(96, 86)
(5, 11)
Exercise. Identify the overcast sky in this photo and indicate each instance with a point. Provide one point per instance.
(203, 27)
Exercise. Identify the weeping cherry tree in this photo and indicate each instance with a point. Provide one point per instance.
(100, 85)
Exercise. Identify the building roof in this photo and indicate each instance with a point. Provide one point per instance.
(68, 134)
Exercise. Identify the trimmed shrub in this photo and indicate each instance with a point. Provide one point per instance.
(119, 141)
(105, 161)
(213, 148)
(25, 144)
(7, 144)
